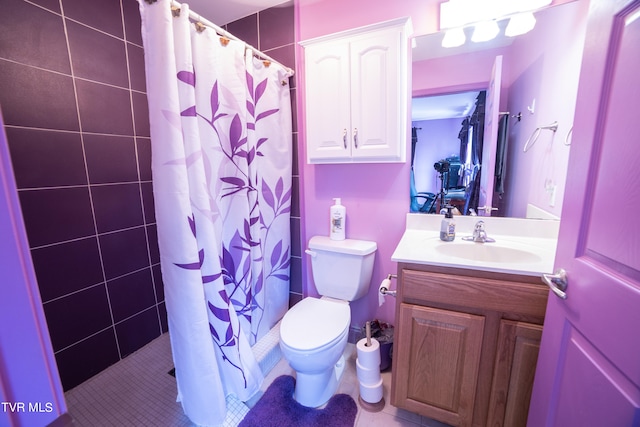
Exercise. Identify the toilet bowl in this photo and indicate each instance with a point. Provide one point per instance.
(313, 337)
(314, 332)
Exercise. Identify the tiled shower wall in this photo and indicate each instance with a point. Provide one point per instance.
(272, 32)
(72, 92)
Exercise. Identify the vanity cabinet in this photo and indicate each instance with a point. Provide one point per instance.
(466, 344)
(356, 89)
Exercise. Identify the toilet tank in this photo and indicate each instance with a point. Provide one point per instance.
(341, 269)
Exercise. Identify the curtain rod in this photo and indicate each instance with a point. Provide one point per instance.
(197, 18)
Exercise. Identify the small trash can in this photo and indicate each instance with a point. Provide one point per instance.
(383, 333)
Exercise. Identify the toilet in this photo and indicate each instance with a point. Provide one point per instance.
(314, 332)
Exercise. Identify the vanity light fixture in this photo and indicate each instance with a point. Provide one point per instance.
(520, 24)
(485, 31)
(454, 37)
(483, 15)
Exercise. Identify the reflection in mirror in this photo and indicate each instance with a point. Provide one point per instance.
(446, 152)
(539, 80)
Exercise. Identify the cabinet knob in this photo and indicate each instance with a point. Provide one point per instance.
(355, 137)
(344, 137)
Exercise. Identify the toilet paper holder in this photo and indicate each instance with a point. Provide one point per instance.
(386, 285)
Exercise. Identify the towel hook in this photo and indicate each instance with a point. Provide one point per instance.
(536, 133)
(568, 138)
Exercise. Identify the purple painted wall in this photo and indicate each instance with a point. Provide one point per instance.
(376, 196)
(543, 65)
(437, 139)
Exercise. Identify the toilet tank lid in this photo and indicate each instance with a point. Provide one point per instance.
(347, 246)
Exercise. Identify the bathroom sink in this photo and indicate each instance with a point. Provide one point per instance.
(487, 252)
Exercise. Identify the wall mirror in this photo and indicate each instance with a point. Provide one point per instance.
(454, 106)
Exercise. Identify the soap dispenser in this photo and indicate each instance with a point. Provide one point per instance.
(337, 217)
(448, 226)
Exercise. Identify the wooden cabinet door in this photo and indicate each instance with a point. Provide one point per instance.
(376, 100)
(328, 102)
(514, 370)
(437, 367)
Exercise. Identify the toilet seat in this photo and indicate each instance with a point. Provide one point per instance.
(314, 323)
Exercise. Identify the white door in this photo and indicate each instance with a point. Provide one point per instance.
(490, 137)
(588, 371)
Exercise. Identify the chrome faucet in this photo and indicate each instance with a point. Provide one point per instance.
(480, 234)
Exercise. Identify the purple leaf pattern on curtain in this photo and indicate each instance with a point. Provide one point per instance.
(242, 281)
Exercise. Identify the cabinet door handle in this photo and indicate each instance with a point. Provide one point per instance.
(344, 137)
(355, 137)
(557, 282)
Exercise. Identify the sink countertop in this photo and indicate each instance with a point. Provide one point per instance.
(534, 239)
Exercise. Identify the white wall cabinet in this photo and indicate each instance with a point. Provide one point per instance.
(357, 92)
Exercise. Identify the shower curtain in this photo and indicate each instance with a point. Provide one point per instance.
(221, 160)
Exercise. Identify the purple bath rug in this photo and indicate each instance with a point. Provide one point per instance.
(278, 408)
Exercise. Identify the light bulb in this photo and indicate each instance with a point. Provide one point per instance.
(453, 38)
(520, 24)
(485, 31)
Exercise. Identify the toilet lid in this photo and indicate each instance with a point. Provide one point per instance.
(313, 323)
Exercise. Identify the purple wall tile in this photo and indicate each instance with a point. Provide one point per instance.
(53, 5)
(162, 313)
(43, 158)
(37, 98)
(77, 316)
(296, 275)
(132, 21)
(295, 171)
(295, 237)
(111, 115)
(276, 27)
(141, 113)
(67, 267)
(105, 15)
(124, 252)
(158, 283)
(246, 29)
(56, 215)
(154, 251)
(110, 158)
(83, 360)
(117, 206)
(59, 220)
(43, 45)
(137, 331)
(97, 56)
(143, 145)
(131, 294)
(295, 196)
(148, 202)
(285, 55)
(136, 67)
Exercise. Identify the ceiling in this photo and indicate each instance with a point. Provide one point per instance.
(221, 12)
(443, 106)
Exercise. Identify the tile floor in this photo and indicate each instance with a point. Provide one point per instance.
(137, 391)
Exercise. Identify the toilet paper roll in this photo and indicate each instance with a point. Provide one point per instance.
(371, 393)
(384, 286)
(367, 375)
(369, 357)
